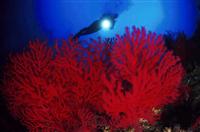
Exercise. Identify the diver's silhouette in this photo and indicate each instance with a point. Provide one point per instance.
(96, 25)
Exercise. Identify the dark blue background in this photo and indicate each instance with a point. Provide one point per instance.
(24, 20)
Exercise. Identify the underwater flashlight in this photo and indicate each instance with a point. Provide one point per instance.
(106, 24)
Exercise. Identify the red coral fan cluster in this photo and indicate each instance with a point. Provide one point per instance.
(72, 88)
(148, 78)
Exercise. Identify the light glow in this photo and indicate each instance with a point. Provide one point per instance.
(106, 24)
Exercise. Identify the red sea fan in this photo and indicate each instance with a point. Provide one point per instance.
(147, 77)
(81, 70)
(68, 88)
(31, 95)
(54, 89)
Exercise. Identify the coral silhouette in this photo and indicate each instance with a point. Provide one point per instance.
(187, 48)
(75, 88)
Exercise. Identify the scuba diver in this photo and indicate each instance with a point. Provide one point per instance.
(96, 25)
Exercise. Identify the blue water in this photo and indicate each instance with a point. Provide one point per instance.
(60, 18)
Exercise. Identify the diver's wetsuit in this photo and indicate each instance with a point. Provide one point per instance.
(96, 25)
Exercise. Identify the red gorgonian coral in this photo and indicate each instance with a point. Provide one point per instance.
(54, 89)
(147, 78)
(68, 88)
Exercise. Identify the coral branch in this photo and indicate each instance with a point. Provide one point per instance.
(149, 78)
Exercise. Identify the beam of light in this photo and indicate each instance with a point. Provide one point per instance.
(106, 24)
(61, 18)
